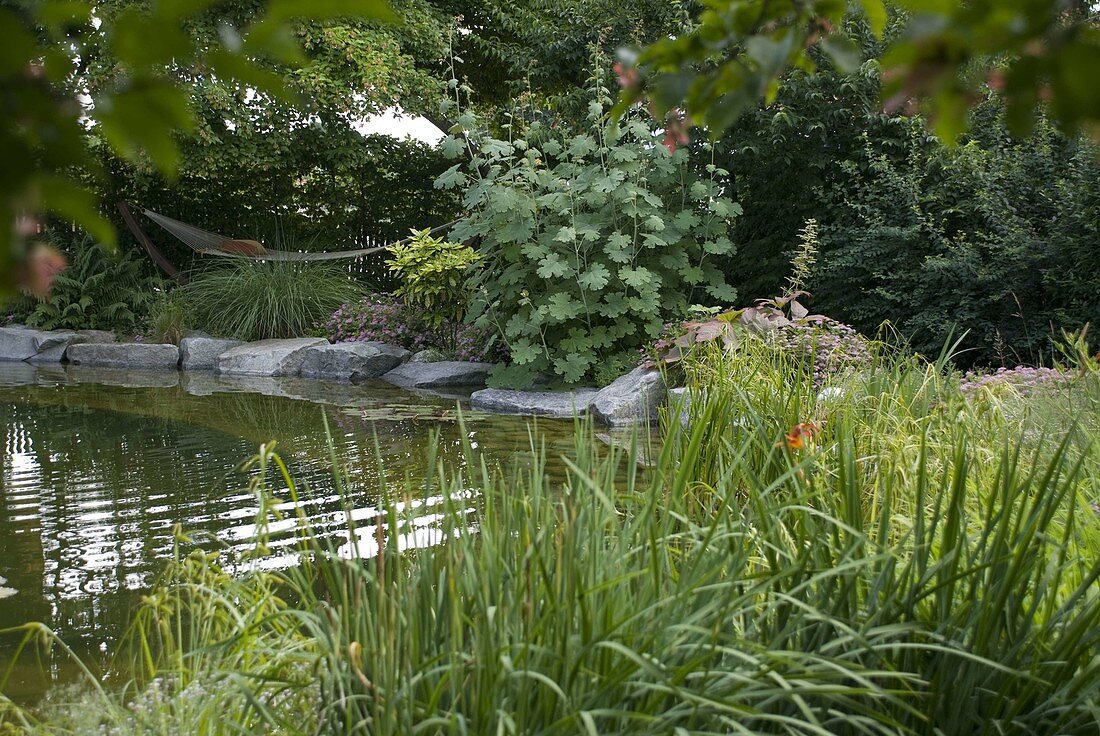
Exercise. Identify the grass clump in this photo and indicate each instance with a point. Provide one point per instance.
(886, 558)
(257, 300)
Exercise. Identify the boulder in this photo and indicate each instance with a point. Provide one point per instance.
(124, 355)
(34, 346)
(429, 355)
(200, 352)
(633, 397)
(554, 404)
(443, 373)
(679, 399)
(267, 357)
(351, 361)
(96, 336)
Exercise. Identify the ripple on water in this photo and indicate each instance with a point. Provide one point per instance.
(96, 480)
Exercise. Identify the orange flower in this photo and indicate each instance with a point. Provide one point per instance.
(800, 434)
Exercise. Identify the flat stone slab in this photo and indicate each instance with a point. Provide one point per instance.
(441, 374)
(554, 404)
(124, 355)
(633, 397)
(34, 346)
(200, 352)
(679, 399)
(95, 336)
(267, 357)
(352, 361)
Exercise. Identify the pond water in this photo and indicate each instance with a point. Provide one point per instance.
(98, 467)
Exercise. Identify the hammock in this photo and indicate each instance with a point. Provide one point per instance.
(206, 242)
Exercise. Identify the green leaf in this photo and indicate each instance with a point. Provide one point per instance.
(843, 52)
(693, 275)
(75, 203)
(875, 12)
(553, 266)
(636, 277)
(573, 366)
(582, 145)
(719, 246)
(561, 307)
(451, 178)
(566, 235)
(595, 278)
(377, 10)
(524, 352)
(144, 119)
(613, 305)
(723, 292)
(685, 219)
(618, 248)
(452, 146)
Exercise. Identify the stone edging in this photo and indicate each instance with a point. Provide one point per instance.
(631, 398)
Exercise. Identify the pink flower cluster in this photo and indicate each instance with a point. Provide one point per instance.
(835, 348)
(1023, 379)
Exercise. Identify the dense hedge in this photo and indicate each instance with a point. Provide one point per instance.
(997, 236)
(305, 188)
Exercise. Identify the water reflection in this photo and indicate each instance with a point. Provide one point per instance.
(98, 467)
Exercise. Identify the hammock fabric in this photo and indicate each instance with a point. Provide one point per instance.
(204, 241)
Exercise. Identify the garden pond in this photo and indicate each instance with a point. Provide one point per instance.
(99, 468)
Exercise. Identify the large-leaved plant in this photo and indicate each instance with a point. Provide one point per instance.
(591, 239)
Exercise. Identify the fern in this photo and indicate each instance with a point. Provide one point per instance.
(99, 290)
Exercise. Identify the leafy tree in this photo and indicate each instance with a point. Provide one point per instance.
(539, 51)
(740, 49)
(51, 44)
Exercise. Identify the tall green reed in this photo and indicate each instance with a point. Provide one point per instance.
(915, 568)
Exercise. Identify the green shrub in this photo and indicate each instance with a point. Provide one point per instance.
(256, 300)
(590, 239)
(168, 320)
(98, 290)
(997, 236)
(432, 275)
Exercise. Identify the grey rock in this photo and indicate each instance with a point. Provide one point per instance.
(554, 404)
(200, 351)
(443, 373)
(431, 355)
(351, 361)
(679, 399)
(267, 357)
(95, 336)
(124, 355)
(34, 346)
(633, 397)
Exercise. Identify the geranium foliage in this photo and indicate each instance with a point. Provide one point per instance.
(590, 238)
